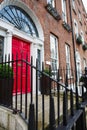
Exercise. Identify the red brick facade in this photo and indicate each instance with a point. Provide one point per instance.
(50, 25)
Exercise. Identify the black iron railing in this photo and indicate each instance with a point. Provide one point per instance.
(43, 102)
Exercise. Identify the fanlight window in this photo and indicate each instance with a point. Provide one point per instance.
(19, 19)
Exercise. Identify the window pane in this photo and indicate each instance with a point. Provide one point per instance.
(82, 36)
(64, 11)
(68, 66)
(19, 19)
(54, 54)
(84, 62)
(73, 4)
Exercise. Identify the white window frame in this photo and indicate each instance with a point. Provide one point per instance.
(73, 4)
(76, 27)
(78, 65)
(79, 15)
(64, 12)
(82, 35)
(84, 63)
(52, 2)
(68, 60)
(54, 54)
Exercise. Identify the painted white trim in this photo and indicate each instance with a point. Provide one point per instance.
(6, 26)
(7, 30)
(27, 37)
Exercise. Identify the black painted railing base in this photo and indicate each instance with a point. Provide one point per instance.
(74, 122)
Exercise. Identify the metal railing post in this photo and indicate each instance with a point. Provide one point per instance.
(31, 122)
(64, 108)
(52, 114)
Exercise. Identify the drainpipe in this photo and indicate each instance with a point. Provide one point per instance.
(77, 101)
(70, 8)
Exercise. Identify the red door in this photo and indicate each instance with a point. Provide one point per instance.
(21, 47)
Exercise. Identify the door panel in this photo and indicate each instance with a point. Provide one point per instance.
(21, 47)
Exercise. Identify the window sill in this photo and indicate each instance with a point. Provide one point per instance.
(53, 12)
(66, 26)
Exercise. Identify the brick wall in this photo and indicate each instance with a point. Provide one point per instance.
(50, 25)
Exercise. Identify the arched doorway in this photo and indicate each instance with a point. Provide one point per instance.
(20, 28)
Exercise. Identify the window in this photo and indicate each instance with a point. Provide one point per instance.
(84, 63)
(64, 16)
(52, 2)
(79, 15)
(82, 36)
(73, 4)
(54, 53)
(52, 10)
(78, 65)
(19, 19)
(1, 47)
(68, 65)
(76, 28)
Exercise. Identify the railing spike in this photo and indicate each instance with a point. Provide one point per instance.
(77, 99)
(82, 93)
(71, 102)
(66, 81)
(64, 108)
